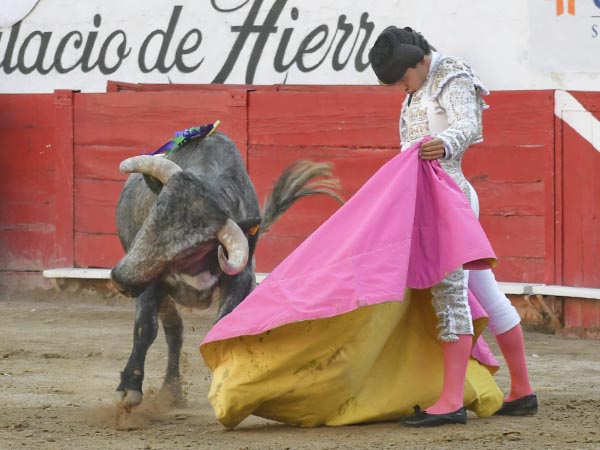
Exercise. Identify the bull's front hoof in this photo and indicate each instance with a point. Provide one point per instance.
(129, 399)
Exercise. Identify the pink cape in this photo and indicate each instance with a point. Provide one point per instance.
(408, 226)
(335, 335)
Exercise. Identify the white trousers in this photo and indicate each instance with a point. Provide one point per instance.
(502, 314)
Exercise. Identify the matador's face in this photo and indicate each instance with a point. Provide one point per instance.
(414, 77)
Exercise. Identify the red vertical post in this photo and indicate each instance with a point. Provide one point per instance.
(64, 166)
(239, 98)
(550, 209)
(555, 260)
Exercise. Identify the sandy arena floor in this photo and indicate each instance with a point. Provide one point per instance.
(61, 353)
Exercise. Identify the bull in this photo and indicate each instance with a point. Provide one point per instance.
(189, 224)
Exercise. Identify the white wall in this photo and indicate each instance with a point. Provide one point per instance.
(512, 44)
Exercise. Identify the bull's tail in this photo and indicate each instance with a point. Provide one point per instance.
(300, 179)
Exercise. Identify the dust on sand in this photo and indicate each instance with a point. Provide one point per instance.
(61, 354)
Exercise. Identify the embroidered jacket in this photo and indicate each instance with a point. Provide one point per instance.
(449, 106)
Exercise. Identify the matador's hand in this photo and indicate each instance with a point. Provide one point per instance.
(432, 150)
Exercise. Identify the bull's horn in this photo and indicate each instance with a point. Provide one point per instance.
(157, 166)
(233, 239)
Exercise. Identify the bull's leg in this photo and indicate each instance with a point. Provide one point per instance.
(173, 327)
(234, 289)
(144, 334)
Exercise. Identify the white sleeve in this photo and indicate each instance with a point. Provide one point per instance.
(461, 102)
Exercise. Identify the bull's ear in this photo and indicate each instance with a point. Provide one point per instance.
(153, 183)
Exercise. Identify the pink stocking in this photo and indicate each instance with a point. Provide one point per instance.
(513, 349)
(456, 357)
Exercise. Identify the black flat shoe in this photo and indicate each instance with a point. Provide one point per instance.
(424, 419)
(524, 406)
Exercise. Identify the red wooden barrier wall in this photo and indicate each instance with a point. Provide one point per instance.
(512, 173)
(60, 156)
(30, 189)
(579, 210)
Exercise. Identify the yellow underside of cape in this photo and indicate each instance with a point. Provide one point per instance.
(372, 364)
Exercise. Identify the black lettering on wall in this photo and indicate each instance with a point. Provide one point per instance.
(121, 53)
(60, 50)
(244, 31)
(166, 37)
(44, 52)
(183, 50)
(347, 29)
(306, 48)
(6, 63)
(44, 38)
(361, 63)
(235, 8)
(89, 46)
(278, 63)
(189, 44)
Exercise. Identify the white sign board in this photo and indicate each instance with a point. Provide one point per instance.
(62, 44)
(565, 35)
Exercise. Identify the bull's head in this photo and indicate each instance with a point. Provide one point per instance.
(183, 229)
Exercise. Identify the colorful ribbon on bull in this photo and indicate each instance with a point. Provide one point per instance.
(184, 136)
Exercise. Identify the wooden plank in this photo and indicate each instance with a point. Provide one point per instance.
(496, 162)
(290, 118)
(581, 210)
(511, 288)
(15, 213)
(71, 272)
(508, 288)
(510, 121)
(118, 86)
(582, 313)
(16, 111)
(575, 178)
(96, 201)
(510, 199)
(28, 181)
(100, 162)
(27, 149)
(272, 249)
(304, 217)
(29, 187)
(566, 291)
(339, 88)
(515, 235)
(27, 161)
(149, 119)
(353, 166)
(63, 248)
(97, 250)
(325, 118)
(520, 269)
(554, 210)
